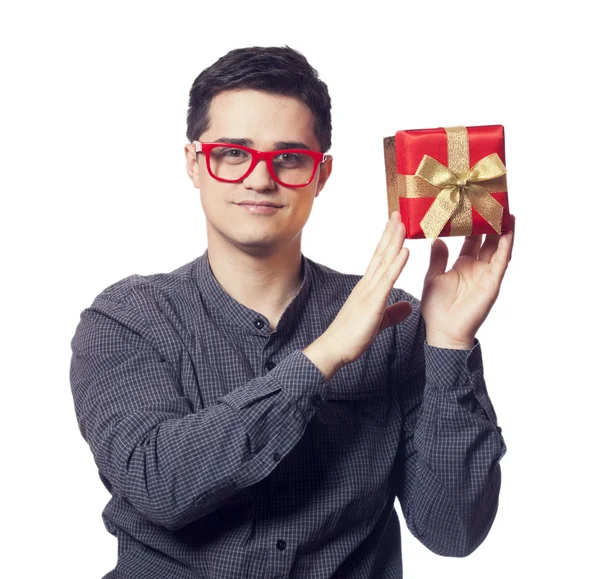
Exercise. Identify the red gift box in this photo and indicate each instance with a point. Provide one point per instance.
(448, 181)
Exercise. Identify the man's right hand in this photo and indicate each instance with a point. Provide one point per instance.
(365, 312)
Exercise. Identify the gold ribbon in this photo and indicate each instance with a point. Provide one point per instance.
(458, 192)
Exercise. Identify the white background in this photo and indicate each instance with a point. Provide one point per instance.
(93, 188)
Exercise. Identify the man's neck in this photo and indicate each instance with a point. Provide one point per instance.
(266, 283)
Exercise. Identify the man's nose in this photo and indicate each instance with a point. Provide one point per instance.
(260, 179)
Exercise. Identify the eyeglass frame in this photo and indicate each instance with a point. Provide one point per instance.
(257, 156)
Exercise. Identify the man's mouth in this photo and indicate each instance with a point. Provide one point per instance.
(259, 203)
(260, 208)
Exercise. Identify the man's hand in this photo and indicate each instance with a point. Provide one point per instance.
(365, 313)
(456, 302)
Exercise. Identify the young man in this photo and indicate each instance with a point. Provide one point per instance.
(254, 413)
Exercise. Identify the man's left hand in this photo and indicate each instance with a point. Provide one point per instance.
(455, 303)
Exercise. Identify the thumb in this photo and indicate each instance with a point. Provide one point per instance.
(395, 314)
(438, 259)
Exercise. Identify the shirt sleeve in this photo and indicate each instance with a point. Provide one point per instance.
(447, 472)
(172, 462)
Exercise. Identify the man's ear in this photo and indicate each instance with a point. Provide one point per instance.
(324, 173)
(191, 163)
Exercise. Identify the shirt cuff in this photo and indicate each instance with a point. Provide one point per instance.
(301, 378)
(296, 375)
(446, 367)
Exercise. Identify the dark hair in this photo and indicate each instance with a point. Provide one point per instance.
(278, 70)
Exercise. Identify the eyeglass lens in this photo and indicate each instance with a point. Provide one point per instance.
(231, 163)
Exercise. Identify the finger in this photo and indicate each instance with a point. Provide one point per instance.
(376, 290)
(491, 243)
(394, 247)
(395, 314)
(387, 251)
(502, 256)
(489, 247)
(438, 259)
(470, 247)
(383, 242)
(390, 275)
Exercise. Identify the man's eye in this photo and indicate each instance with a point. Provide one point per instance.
(232, 153)
(289, 159)
(229, 154)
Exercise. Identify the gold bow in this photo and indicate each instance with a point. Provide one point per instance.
(450, 201)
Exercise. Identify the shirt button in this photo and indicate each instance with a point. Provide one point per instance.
(259, 323)
(276, 456)
(270, 365)
(317, 401)
(473, 363)
(281, 544)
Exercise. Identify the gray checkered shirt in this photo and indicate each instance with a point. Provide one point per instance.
(227, 454)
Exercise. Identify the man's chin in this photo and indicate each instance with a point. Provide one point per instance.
(246, 238)
(253, 244)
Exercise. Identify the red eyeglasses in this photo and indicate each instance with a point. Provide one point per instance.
(233, 163)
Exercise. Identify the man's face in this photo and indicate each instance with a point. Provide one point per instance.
(265, 121)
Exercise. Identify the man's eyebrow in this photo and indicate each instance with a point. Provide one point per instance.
(277, 146)
(291, 145)
(234, 141)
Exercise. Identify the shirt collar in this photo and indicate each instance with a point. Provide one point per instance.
(222, 306)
